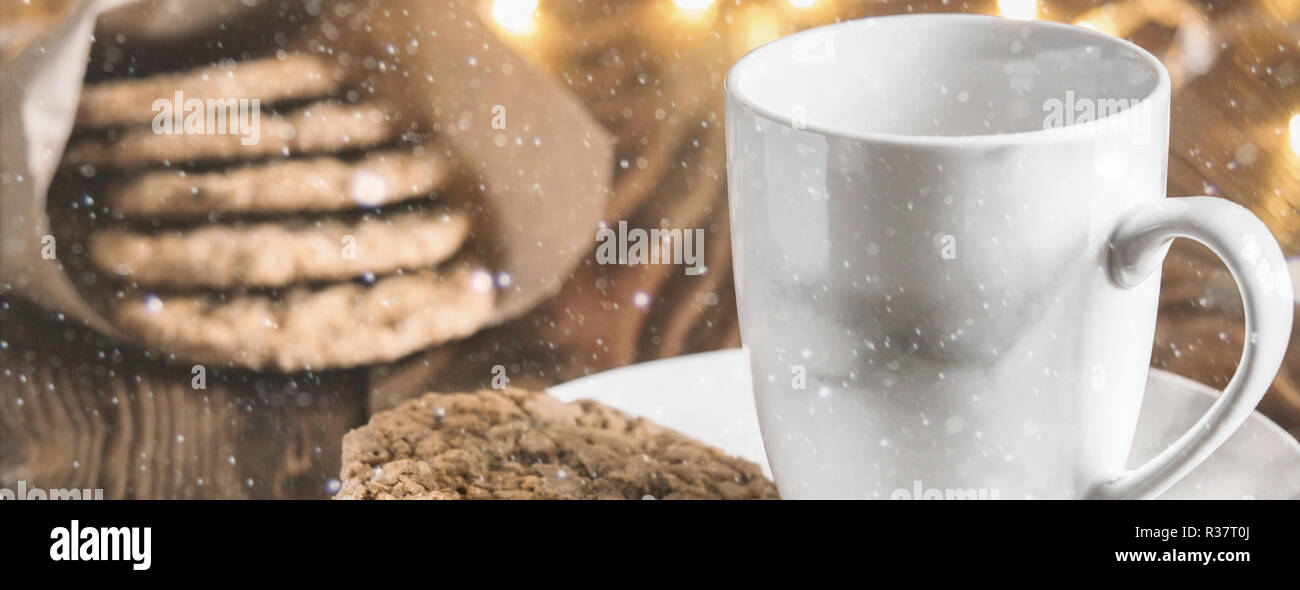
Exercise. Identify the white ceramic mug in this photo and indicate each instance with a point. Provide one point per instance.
(948, 231)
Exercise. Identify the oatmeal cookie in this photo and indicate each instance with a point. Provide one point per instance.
(517, 444)
(280, 253)
(342, 325)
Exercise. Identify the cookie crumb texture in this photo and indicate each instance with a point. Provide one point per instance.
(516, 444)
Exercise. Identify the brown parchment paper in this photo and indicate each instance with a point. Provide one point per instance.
(543, 176)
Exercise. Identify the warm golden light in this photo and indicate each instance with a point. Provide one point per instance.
(1101, 26)
(801, 3)
(759, 26)
(516, 16)
(693, 5)
(1019, 9)
(1295, 134)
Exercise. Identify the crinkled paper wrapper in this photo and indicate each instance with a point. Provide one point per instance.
(545, 177)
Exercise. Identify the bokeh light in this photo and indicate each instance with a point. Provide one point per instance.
(1018, 9)
(759, 26)
(690, 6)
(516, 16)
(1295, 133)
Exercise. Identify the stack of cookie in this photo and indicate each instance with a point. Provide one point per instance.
(323, 243)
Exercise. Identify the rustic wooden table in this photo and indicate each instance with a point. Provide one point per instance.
(78, 410)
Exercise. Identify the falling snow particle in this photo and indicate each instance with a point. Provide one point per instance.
(641, 300)
(954, 425)
(481, 281)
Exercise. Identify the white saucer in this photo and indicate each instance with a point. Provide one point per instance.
(707, 396)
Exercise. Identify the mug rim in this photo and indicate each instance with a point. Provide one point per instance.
(1161, 89)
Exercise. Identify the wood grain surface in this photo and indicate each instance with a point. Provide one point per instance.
(81, 412)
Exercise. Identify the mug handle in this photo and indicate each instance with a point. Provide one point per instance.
(1253, 256)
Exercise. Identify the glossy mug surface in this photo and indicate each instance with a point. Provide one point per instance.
(945, 228)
